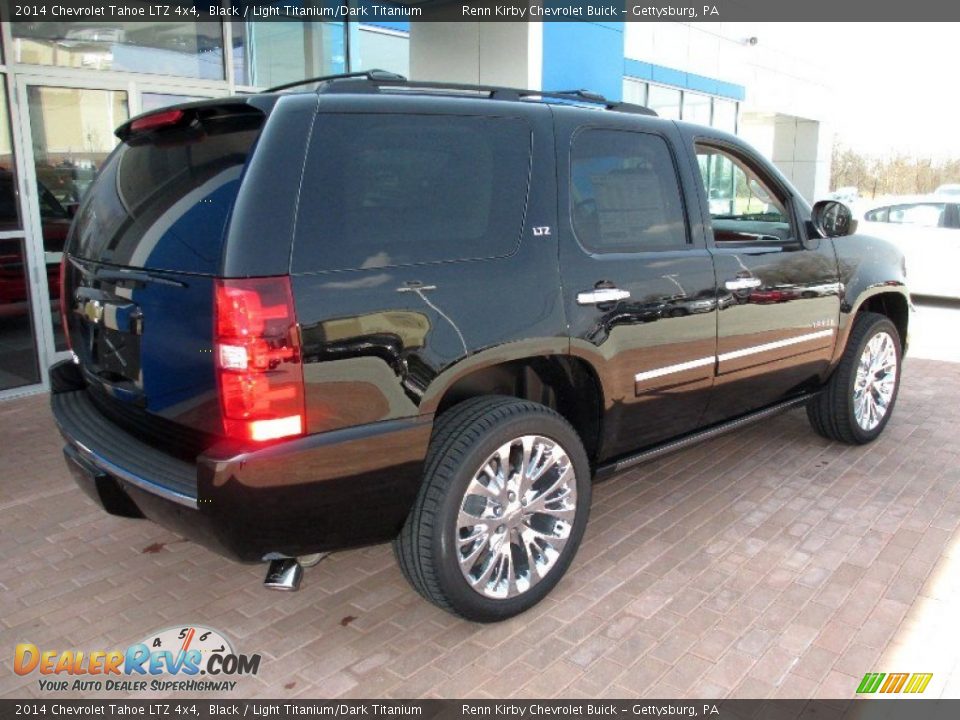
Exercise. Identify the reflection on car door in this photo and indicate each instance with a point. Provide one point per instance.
(639, 288)
(779, 298)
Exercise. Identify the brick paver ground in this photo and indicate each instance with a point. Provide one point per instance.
(768, 562)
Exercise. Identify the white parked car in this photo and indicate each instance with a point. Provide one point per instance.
(949, 189)
(927, 229)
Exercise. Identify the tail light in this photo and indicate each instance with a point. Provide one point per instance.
(64, 303)
(257, 354)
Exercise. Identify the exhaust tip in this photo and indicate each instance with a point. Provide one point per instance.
(284, 574)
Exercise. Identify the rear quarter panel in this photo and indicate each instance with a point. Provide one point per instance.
(383, 343)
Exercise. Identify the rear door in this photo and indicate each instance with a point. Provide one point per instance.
(415, 251)
(779, 292)
(141, 260)
(639, 288)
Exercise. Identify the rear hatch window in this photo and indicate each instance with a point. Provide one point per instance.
(164, 196)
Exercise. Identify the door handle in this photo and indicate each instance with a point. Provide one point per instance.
(743, 284)
(602, 295)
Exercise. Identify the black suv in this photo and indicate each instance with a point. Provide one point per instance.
(365, 309)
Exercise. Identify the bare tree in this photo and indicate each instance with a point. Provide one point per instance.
(889, 175)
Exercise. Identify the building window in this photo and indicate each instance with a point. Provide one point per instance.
(72, 131)
(180, 49)
(664, 101)
(154, 101)
(382, 49)
(18, 344)
(9, 206)
(725, 115)
(634, 91)
(696, 108)
(265, 54)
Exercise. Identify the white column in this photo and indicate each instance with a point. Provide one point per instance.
(500, 53)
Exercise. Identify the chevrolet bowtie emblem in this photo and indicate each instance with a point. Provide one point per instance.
(93, 311)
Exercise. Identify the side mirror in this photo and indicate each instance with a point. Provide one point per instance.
(831, 218)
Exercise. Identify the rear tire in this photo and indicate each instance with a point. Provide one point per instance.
(502, 509)
(859, 398)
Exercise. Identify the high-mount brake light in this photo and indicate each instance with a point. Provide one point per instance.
(257, 354)
(156, 121)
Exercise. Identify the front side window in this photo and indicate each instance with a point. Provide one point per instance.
(743, 207)
(625, 193)
(387, 190)
(921, 214)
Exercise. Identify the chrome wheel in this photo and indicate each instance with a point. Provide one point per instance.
(876, 381)
(516, 516)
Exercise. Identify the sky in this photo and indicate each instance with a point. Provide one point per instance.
(897, 85)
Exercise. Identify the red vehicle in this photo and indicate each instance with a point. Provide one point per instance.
(55, 219)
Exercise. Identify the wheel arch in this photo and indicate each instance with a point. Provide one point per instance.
(892, 302)
(566, 384)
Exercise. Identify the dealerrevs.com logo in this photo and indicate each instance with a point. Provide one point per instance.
(169, 660)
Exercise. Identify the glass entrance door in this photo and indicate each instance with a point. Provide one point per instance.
(19, 362)
(71, 134)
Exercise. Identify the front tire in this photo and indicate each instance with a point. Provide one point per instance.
(859, 398)
(502, 509)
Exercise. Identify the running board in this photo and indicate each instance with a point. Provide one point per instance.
(606, 471)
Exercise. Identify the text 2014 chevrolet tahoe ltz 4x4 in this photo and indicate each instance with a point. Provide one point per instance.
(363, 309)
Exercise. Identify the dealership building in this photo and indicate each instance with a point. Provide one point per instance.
(67, 85)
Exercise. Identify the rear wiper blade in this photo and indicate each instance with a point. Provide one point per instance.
(123, 275)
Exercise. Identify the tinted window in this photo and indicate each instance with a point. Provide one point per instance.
(164, 205)
(384, 190)
(625, 194)
(923, 214)
(743, 206)
(879, 215)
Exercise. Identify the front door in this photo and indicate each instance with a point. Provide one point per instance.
(779, 293)
(639, 288)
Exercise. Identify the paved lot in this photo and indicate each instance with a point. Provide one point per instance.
(765, 563)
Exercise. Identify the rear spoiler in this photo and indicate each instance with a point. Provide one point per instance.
(194, 115)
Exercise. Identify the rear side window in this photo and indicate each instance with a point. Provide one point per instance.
(162, 202)
(625, 193)
(386, 190)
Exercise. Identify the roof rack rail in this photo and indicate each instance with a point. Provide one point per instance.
(369, 75)
(591, 97)
(371, 81)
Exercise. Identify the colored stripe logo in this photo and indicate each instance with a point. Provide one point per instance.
(913, 683)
